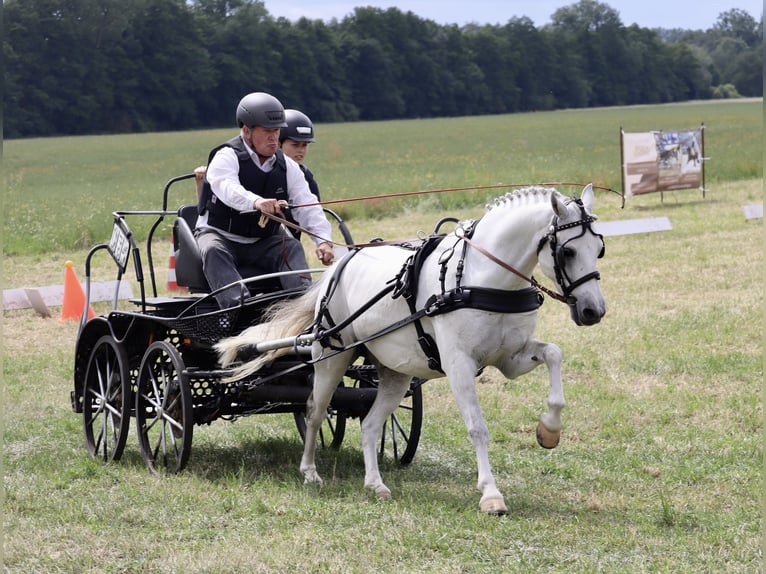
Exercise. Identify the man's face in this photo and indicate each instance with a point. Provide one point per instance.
(265, 141)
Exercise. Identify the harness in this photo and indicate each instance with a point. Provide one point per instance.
(405, 285)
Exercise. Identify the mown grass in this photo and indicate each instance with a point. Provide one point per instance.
(659, 469)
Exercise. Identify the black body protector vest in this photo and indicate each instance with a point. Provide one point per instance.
(313, 188)
(271, 185)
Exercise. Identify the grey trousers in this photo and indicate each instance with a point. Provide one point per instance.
(225, 262)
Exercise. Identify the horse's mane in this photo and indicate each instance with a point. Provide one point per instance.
(522, 196)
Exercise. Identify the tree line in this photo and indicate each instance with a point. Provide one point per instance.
(115, 66)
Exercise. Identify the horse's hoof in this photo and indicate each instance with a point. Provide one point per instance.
(314, 480)
(547, 438)
(494, 506)
(382, 492)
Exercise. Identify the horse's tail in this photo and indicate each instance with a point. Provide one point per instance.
(287, 318)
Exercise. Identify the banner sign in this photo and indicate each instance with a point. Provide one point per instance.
(661, 161)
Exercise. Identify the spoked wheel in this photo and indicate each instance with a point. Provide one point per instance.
(106, 400)
(164, 414)
(331, 432)
(401, 433)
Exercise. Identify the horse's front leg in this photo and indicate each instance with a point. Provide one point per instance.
(462, 383)
(535, 353)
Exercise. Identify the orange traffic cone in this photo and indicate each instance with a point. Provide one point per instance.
(73, 304)
(171, 284)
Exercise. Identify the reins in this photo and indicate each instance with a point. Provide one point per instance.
(379, 242)
(566, 298)
(451, 189)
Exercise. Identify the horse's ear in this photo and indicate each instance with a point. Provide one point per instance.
(587, 197)
(558, 204)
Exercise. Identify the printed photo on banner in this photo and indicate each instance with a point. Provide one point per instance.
(661, 161)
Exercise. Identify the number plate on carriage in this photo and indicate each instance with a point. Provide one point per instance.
(119, 246)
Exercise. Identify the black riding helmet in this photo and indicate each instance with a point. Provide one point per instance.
(260, 109)
(299, 127)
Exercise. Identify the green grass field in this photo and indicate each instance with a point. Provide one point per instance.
(660, 464)
(60, 192)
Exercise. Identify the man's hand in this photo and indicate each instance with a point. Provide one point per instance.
(325, 253)
(272, 206)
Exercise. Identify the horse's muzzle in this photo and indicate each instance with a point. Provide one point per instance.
(586, 314)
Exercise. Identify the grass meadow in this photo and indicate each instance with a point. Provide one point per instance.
(660, 464)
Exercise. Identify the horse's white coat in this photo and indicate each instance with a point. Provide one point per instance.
(468, 339)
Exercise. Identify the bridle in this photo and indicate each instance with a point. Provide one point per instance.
(559, 252)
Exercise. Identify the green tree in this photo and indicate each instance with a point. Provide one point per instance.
(692, 81)
(374, 90)
(492, 54)
(739, 24)
(174, 66)
(595, 31)
(733, 46)
(314, 79)
(243, 55)
(60, 59)
(93, 66)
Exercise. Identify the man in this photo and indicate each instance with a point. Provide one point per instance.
(249, 173)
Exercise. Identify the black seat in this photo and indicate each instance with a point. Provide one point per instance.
(188, 259)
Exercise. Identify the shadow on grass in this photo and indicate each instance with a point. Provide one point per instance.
(275, 458)
(427, 486)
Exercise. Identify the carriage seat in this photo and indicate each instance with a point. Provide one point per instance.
(188, 259)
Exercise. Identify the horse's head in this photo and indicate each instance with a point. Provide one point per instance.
(570, 257)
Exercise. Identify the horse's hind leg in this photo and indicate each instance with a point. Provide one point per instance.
(535, 353)
(392, 387)
(327, 375)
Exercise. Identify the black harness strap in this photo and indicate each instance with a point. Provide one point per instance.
(407, 287)
(485, 299)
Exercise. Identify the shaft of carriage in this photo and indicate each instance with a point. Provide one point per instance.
(298, 342)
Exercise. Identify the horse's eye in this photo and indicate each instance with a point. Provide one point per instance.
(563, 255)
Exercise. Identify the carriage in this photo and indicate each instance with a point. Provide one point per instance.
(154, 362)
(358, 343)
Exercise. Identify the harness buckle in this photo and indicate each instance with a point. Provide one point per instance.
(433, 304)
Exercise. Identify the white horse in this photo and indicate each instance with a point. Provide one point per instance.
(471, 297)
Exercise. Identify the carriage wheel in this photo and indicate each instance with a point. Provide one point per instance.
(401, 433)
(106, 400)
(164, 414)
(331, 432)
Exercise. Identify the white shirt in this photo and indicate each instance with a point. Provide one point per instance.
(223, 175)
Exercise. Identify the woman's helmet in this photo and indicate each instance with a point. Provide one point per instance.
(299, 127)
(260, 109)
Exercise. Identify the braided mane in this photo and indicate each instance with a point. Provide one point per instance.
(522, 196)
